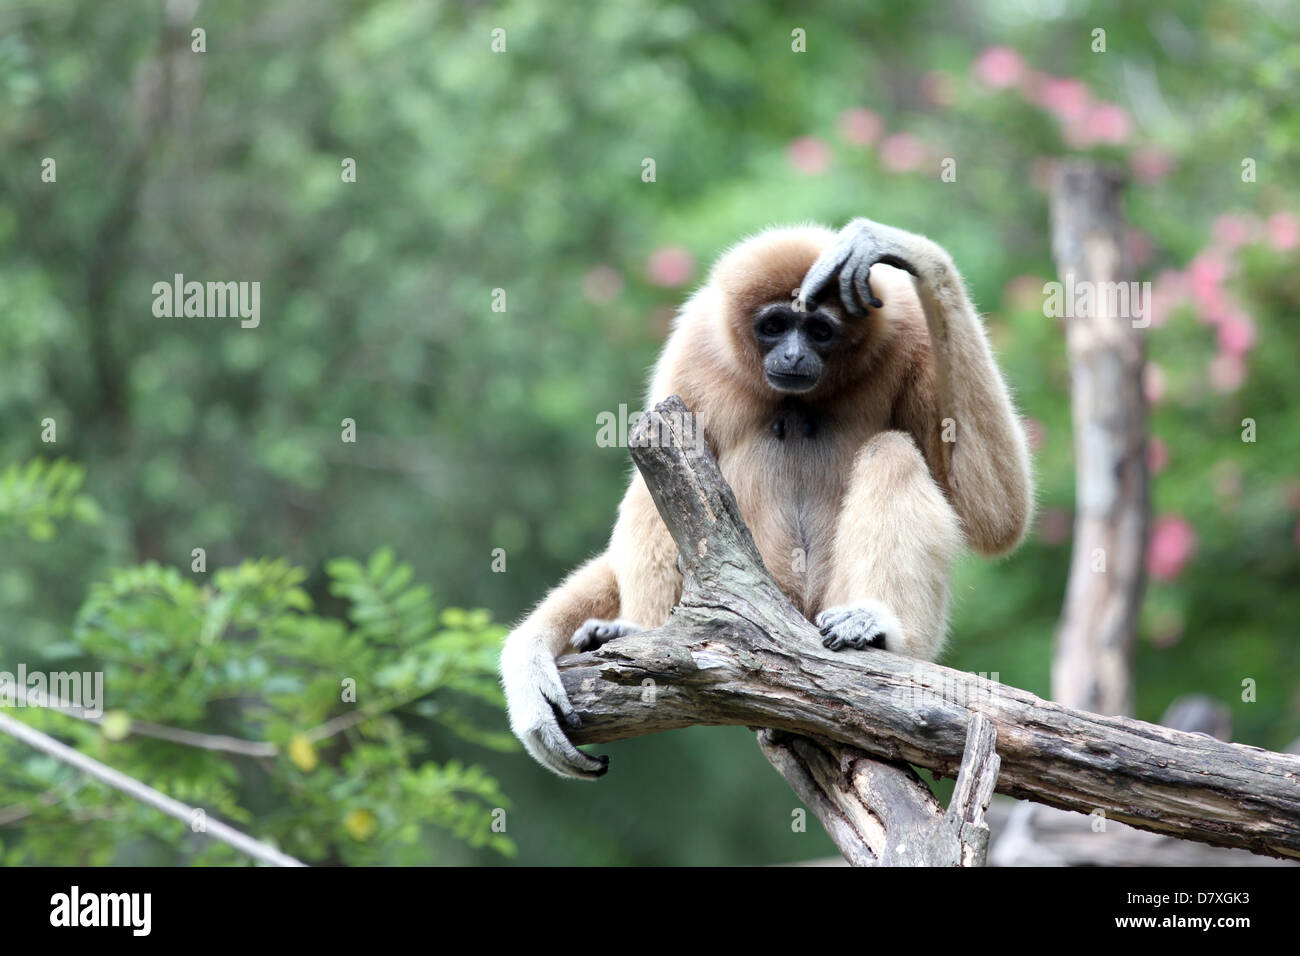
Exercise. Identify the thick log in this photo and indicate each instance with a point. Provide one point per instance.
(735, 651)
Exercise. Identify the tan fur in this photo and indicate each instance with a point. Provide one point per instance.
(874, 504)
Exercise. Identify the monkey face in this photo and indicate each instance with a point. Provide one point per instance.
(795, 346)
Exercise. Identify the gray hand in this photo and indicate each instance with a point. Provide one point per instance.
(860, 245)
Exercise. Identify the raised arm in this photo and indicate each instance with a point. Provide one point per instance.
(959, 410)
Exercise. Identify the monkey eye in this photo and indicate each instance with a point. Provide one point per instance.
(771, 326)
(819, 331)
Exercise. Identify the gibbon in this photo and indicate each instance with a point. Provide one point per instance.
(847, 388)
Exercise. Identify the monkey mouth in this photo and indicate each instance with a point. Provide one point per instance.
(791, 383)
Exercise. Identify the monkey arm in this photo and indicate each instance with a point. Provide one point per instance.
(634, 584)
(534, 694)
(980, 439)
(959, 409)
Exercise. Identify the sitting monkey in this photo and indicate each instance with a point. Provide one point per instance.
(846, 386)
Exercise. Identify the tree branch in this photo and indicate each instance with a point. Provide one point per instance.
(145, 794)
(736, 651)
(1092, 666)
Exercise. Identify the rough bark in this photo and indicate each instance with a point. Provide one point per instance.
(1092, 665)
(883, 814)
(735, 651)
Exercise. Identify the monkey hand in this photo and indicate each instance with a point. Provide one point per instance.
(859, 246)
(862, 625)
(536, 701)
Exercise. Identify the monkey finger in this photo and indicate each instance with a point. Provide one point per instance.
(814, 286)
(817, 281)
(566, 713)
(832, 616)
(848, 294)
(559, 702)
(552, 690)
(552, 748)
(854, 276)
(862, 286)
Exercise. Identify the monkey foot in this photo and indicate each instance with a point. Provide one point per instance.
(868, 624)
(594, 632)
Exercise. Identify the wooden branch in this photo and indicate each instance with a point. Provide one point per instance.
(190, 738)
(1027, 834)
(883, 814)
(1030, 834)
(142, 792)
(975, 783)
(736, 651)
(871, 810)
(1092, 664)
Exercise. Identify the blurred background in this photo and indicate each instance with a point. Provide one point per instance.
(222, 156)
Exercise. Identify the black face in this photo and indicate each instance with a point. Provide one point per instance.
(795, 346)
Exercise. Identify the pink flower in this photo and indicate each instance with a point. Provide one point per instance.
(901, 153)
(1172, 543)
(670, 266)
(1067, 99)
(998, 67)
(1236, 334)
(1205, 277)
(861, 127)
(1150, 164)
(1227, 372)
(809, 155)
(1283, 231)
(1153, 383)
(1157, 455)
(1231, 231)
(1109, 123)
(938, 87)
(602, 284)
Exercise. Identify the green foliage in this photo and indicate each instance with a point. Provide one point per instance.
(348, 705)
(36, 495)
(475, 429)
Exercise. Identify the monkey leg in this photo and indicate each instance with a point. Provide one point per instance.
(895, 541)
